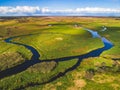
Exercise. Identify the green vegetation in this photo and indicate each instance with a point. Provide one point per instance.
(59, 37)
(9, 60)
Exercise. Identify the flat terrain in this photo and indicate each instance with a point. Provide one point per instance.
(59, 41)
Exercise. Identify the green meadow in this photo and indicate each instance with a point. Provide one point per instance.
(58, 38)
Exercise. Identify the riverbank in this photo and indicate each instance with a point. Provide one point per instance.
(61, 42)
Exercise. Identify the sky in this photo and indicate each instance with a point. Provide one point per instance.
(59, 7)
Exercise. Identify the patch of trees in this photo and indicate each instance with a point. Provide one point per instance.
(103, 68)
(43, 67)
(8, 60)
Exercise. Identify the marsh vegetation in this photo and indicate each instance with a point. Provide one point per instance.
(58, 38)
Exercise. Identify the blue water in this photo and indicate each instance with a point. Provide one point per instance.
(107, 43)
(35, 58)
(35, 53)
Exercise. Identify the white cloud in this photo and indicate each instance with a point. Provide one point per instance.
(44, 10)
(36, 10)
(84, 10)
(19, 9)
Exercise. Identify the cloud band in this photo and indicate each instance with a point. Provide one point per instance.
(29, 10)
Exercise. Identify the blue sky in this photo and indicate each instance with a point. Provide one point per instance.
(60, 7)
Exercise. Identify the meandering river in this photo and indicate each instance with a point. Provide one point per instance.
(35, 58)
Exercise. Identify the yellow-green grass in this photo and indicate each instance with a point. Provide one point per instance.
(112, 33)
(76, 79)
(61, 41)
(11, 48)
(12, 55)
(57, 37)
(10, 59)
(34, 75)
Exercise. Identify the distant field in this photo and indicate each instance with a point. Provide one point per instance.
(55, 38)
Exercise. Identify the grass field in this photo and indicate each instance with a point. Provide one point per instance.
(60, 37)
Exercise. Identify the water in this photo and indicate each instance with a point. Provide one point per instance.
(35, 53)
(35, 59)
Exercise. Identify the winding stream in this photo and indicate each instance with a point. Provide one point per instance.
(36, 55)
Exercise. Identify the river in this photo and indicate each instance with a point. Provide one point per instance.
(35, 58)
